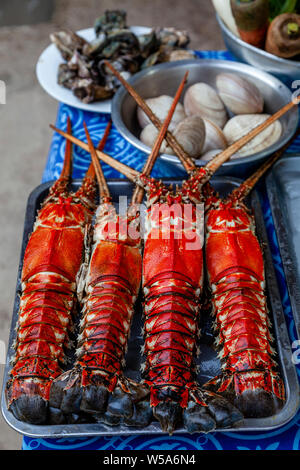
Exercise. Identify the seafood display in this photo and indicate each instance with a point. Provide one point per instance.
(84, 71)
(85, 267)
(171, 317)
(96, 385)
(250, 377)
(173, 284)
(212, 119)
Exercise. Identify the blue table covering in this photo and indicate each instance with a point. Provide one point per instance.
(284, 438)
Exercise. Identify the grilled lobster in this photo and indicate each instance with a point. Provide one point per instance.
(235, 268)
(52, 259)
(112, 276)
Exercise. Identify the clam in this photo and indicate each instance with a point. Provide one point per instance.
(202, 99)
(160, 106)
(190, 133)
(212, 153)
(214, 137)
(240, 125)
(239, 95)
(148, 137)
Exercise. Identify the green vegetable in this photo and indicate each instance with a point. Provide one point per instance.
(277, 7)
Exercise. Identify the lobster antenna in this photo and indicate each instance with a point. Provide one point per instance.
(185, 159)
(103, 188)
(139, 191)
(246, 187)
(130, 173)
(91, 170)
(67, 166)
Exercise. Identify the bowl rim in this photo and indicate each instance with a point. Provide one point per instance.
(262, 52)
(119, 96)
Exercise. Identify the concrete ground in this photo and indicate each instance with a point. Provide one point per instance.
(24, 132)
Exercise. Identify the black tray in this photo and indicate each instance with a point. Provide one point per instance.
(210, 365)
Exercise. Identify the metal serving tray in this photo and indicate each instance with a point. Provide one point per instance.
(283, 187)
(210, 365)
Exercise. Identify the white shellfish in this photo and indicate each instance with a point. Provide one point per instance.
(239, 95)
(160, 106)
(241, 125)
(202, 99)
(214, 137)
(190, 134)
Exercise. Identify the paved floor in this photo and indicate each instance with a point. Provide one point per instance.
(24, 130)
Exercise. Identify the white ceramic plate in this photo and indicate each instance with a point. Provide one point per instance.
(47, 68)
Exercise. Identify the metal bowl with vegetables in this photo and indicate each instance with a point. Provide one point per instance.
(221, 102)
(263, 33)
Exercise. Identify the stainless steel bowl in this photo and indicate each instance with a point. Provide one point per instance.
(286, 70)
(165, 78)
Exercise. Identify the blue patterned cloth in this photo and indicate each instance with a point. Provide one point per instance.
(283, 438)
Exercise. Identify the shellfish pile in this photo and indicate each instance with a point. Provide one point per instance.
(209, 120)
(84, 71)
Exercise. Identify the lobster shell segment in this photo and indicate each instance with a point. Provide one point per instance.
(96, 387)
(235, 266)
(52, 259)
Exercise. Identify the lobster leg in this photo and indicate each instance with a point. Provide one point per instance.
(235, 266)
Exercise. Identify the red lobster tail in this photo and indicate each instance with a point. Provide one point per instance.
(235, 267)
(172, 283)
(51, 262)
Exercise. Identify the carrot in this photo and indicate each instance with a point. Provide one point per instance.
(252, 20)
(283, 37)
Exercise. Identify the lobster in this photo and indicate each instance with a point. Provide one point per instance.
(52, 259)
(96, 386)
(172, 282)
(250, 375)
